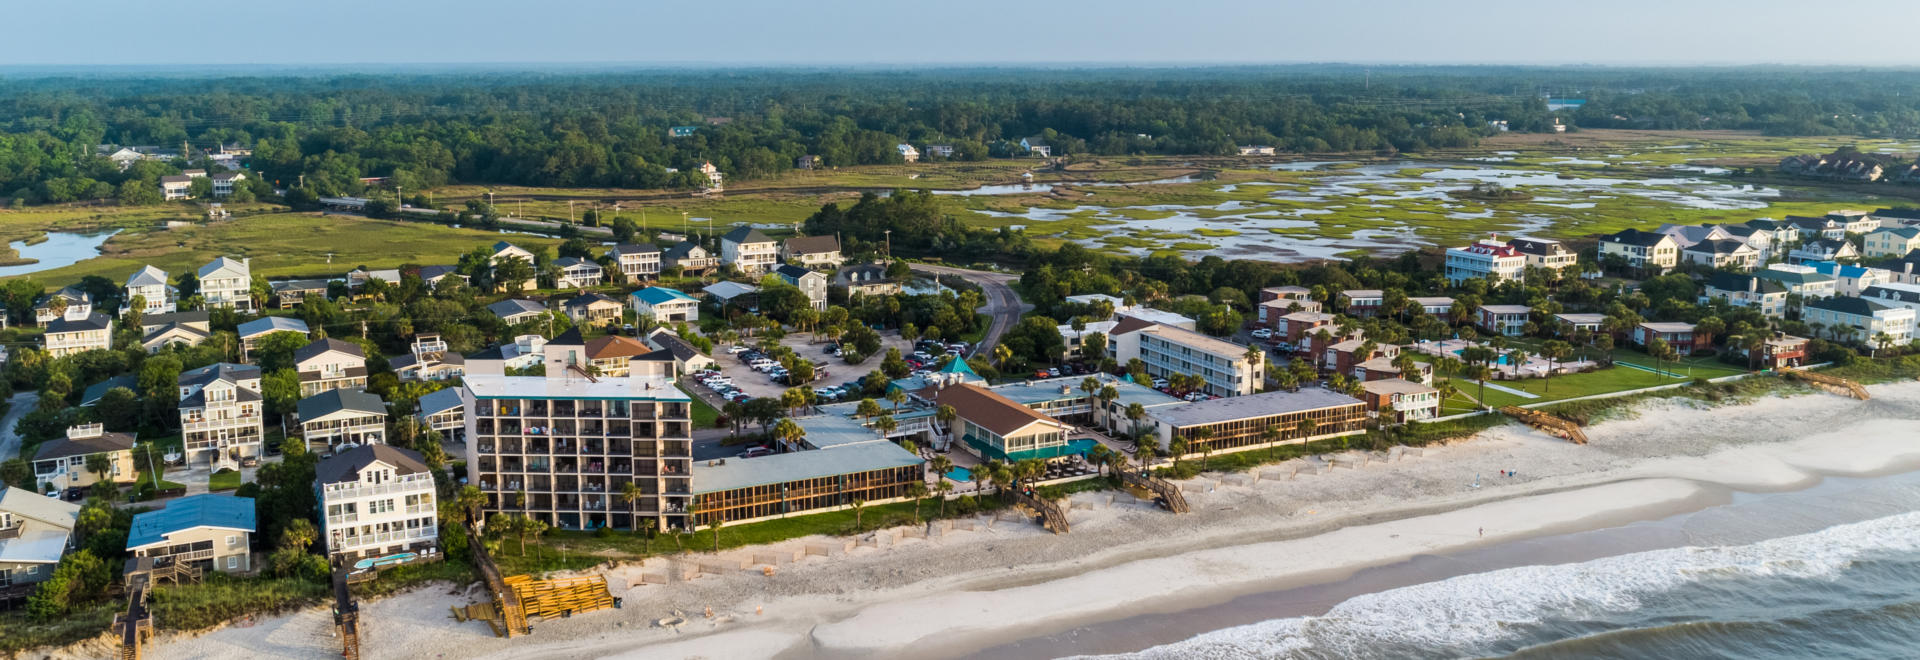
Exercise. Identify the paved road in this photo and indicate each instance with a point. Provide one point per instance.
(22, 404)
(1002, 303)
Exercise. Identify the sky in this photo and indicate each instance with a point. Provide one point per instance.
(960, 32)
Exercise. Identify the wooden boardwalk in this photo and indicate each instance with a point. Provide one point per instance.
(1555, 425)
(346, 612)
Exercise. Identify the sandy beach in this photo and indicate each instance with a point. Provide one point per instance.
(964, 591)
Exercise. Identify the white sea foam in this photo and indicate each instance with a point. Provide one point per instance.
(1466, 614)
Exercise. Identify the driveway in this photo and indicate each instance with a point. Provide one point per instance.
(1003, 304)
(20, 405)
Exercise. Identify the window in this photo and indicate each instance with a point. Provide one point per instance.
(233, 540)
(233, 562)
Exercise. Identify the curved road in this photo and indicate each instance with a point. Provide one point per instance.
(1002, 303)
(22, 403)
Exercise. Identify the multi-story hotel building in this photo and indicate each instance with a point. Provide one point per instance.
(220, 412)
(1492, 260)
(559, 448)
(1168, 350)
(376, 501)
(1238, 423)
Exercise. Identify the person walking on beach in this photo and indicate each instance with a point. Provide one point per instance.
(1483, 532)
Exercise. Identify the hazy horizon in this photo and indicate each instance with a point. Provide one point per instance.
(990, 33)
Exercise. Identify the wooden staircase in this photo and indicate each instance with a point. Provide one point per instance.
(1051, 517)
(1555, 425)
(1167, 494)
(1848, 387)
(507, 616)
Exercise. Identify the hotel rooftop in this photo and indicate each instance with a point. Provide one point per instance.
(1253, 405)
(538, 387)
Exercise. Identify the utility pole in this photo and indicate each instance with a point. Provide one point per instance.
(570, 212)
(889, 235)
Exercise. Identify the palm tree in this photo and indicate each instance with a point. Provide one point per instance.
(859, 508)
(1482, 373)
(789, 431)
(646, 529)
(896, 397)
(941, 466)
(1306, 427)
(1001, 356)
(470, 500)
(943, 487)
(1204, 437)
(631, 494)
(1090, 386)
(867, 409)
(946, 416)
(1107, 395)
(1270, 435)
(886, 425)
(718, 522)
(917, 489)
(1135, 413)
(1554, 351)
(1177, 448)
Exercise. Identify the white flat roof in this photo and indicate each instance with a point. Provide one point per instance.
(540, 387)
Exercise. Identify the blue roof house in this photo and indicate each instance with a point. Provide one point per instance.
(206, 531)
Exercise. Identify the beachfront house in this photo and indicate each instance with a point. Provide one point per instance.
(994, 427)
(205, 531)
(377, 501)
(1408, 400)
(504, 251)
(35, 532)
(290, 293)
(1859, 320)
(69, 302)
(441, 411)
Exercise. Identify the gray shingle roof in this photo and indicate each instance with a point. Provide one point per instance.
(746, 234)
(333, 401)
(346, 465)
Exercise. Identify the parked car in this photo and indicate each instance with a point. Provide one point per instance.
(737, 349)
(1053, 372)
(1159, 383)
(1262, 333)
(756, 452)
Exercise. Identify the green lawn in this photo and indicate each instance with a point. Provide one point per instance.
(1602, 381)
(224, 480)
(704, 415)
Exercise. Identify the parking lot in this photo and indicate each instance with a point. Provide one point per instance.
(756, 384)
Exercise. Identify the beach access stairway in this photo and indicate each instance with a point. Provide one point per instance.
(1168, 495)
(1051, 517)
(1555, 425)
(346, 612)
(1849, 387)
(135, 626)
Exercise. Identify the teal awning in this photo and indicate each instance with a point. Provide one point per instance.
(1073, 447)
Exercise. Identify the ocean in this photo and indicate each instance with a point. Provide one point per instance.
(1831, 571)
(1850, 591)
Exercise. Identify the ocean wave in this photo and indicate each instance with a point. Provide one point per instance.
(1491, 612)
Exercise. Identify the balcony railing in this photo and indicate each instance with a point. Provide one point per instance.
(388, 537)
(222, 423)
(369, 490)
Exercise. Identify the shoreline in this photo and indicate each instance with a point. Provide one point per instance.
(963, 593)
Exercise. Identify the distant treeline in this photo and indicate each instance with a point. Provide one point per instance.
(612, 129)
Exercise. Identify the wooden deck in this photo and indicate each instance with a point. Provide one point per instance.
(563, 597)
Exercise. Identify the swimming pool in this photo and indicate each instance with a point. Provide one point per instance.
(960, 474)
(1502, 360)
